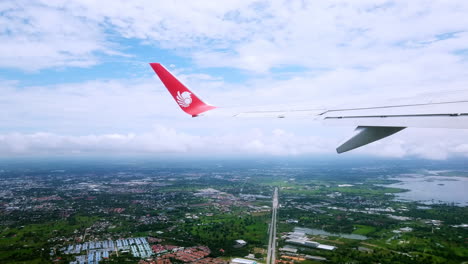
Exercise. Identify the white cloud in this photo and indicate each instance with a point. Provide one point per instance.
(281, 142)
(254, 35)
(349, 53)
(337, 34)
(114, 116)
(436, 144)
(42, 34)
(159, 140)
(34, 36)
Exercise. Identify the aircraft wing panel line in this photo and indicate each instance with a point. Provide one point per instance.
(392, 116)
(396, 106)
(434, 121)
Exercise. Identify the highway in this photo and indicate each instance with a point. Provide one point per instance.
(271, 255)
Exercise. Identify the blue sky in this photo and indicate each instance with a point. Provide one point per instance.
(75, 80)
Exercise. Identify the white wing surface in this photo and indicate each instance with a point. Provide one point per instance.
(375, 123)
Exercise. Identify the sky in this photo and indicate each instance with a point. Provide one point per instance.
(75, 79)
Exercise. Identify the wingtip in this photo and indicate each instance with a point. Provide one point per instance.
(156, 66)
(188, 101)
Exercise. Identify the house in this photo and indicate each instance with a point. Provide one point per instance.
(240, 243)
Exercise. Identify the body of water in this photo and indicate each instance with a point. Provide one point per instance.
(430, 189)
(312, 231)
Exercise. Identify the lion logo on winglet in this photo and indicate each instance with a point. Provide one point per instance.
(184, 99)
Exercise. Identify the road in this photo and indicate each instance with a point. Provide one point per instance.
(271, 255)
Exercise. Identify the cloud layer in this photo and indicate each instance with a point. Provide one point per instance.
(278, 142)
(252, 35)
(319, 54)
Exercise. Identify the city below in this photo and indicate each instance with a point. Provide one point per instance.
(241, 212)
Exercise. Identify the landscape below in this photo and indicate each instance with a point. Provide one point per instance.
(218, 211)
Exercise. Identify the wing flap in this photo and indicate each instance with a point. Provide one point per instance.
(366, 135)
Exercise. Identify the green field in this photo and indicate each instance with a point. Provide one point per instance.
(363, 230)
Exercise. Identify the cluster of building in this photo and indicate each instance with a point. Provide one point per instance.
(210, 261)
(161, 249)
(106, 245)
(92, 258)
(223, 201)
(99, 250)
(141, 248)
(254, 197)
(242, 261)
(156, 261)
(191, 254)
(289, 255)
(403, 230)
(200, 261)
(300, 239)
(293, 259)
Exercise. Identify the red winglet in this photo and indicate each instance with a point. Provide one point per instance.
(186, 99)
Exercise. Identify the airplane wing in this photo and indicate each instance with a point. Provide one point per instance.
(372, 123)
